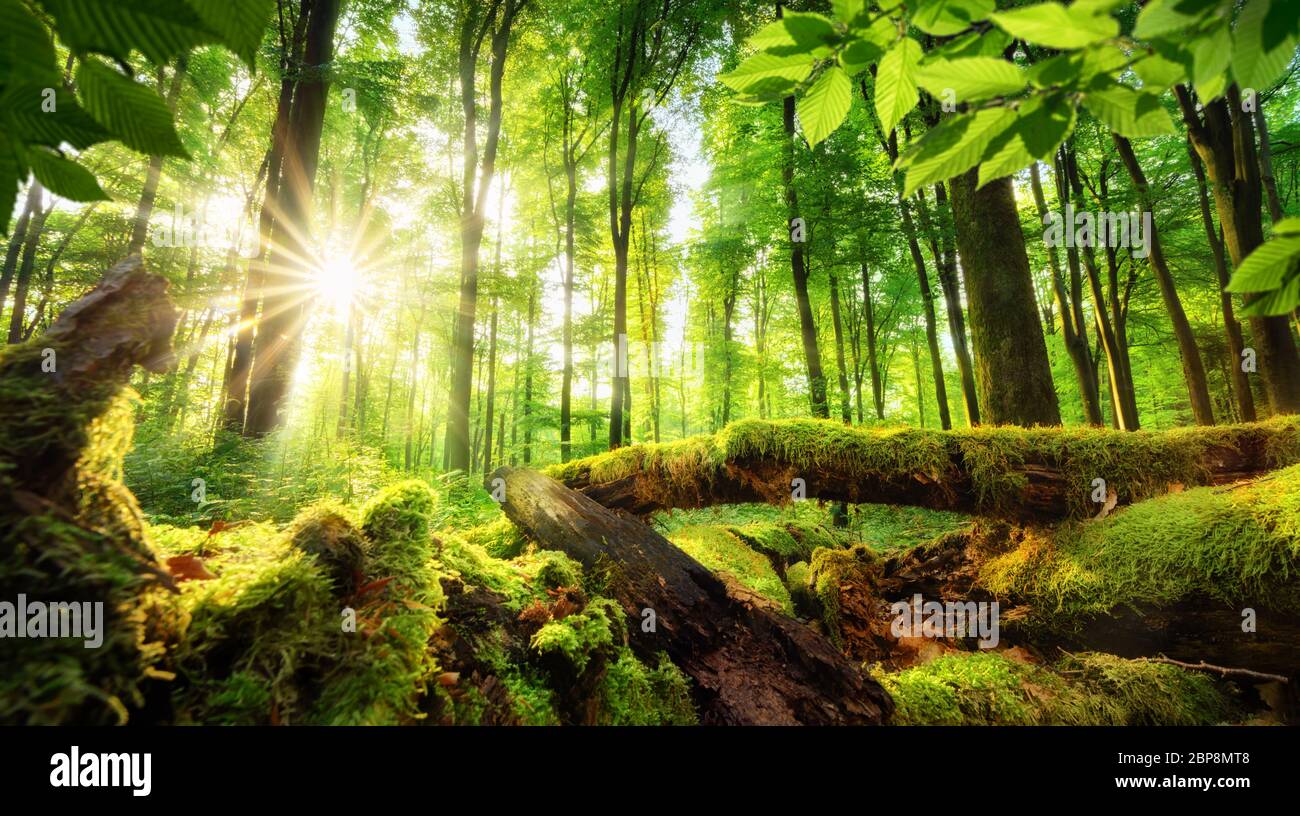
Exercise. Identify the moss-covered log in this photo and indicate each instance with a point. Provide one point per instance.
(1207, 574)
(750, 663)
(1018, 473)
(70, 532)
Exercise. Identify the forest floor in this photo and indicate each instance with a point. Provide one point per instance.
(1172, 605)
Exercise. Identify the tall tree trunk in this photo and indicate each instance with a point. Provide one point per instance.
(1106, 314)
(846, 413)
(873, 364)
(144, 209)
(1225, 141)
(1266, 165)
(1198, 388)
(799, 269)
(472, 213)
(1075, 337)
(22, 282)
(945, 261)
(1232, 328)
(18, 239)
(491, 389)
(566, 378)
(275, 347)
(1012, 372)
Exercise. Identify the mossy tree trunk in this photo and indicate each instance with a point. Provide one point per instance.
(1012, 372)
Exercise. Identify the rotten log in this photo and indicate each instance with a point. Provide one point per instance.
(1201, 576)
(1027, 474)
(750, 664)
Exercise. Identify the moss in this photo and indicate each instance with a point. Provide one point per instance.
(1238, 545)
(499, 538)
(722, 551)
(327, 532)
(1137, 465)
(520, 580)
(631, 693)
(832, 569)
(578, 636)
(986, 688)
(396, 523)
(71, 532)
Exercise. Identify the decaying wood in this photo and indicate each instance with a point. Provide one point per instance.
(749, 662)
(1194, 630)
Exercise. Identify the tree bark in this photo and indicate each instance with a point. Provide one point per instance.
(1198, 388)
(750, 664)
(1012, 372)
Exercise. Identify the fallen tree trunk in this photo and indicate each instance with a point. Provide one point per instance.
(750, 664)
(1204, 575)
(1017, 473)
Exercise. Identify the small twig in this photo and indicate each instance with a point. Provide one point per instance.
(1222, 671)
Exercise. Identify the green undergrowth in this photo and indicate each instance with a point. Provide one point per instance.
(986, 688)
(1135, 465)
(1238, 545)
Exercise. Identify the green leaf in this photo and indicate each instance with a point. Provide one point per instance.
(850, 12)
(1042, 123)
(1280, 301)
(159, 29)
(1254, 64)
(953, 147)
(972, 79)
(1266, 267)
(25, 115)
(810, 30)
(1287, 226)
(26, 50)
(772, 35)
(859, 55)
(241, 24)
(1055, 26)
(12, 173)
(944, 18)
(1160, 17)
(1211, 54)
(824, 107)
(896, 92)
(137, 116)
(792, 68)
(1128, 112)
(973, 44)
(1158, 72)
(64, 177)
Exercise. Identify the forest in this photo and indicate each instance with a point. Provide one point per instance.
(650, 362)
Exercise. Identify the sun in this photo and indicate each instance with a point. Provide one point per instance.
(336, 281)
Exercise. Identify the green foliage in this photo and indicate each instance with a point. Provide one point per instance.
(1273, 268)
(113, 105)
(635, 694)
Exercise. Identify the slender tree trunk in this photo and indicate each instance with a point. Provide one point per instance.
(945, 259)
(275, 348)
(31, 207)
(1198, 387)
(23, 281)
(1226, 144)
(144, 209)
(877, 388)
(799, 269)
(846, 413)
(472, 214)
(1232, 328)
(1266, 165)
